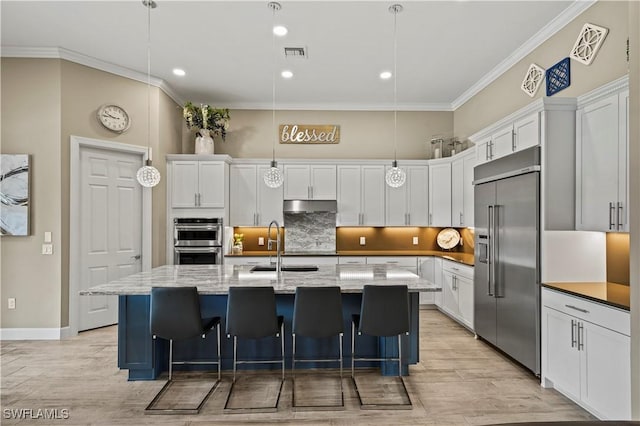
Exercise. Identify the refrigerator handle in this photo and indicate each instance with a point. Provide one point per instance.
(489, 248)
(495, 245)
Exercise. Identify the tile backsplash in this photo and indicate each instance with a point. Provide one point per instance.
(310, 232)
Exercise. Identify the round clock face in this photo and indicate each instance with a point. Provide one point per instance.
(114, 118)
(448, 238)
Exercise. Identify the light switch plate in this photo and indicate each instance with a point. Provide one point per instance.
(260, 241)
(415, 241)
(47, 249)
(363, 241)
(47, 236)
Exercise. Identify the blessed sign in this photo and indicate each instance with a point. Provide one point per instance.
(309, 134)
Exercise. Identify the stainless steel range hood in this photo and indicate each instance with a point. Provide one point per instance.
(310, 206)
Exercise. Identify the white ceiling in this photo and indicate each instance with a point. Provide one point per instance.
(444, 47)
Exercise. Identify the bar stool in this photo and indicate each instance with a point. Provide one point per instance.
(251, 314)
(175, 315)
(317, 313)
(384, 312)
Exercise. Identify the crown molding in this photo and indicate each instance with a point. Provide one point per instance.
(339, 106)
(89, 61)
(555, 25)
(605, 90)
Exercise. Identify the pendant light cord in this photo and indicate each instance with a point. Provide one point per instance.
(395, 84)
(149, 6)
(274, 7)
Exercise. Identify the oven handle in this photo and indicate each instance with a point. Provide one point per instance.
(197, 227)
(198, 249)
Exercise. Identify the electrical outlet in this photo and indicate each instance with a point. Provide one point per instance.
(260, 241)
(461, 242)
(363, 241)
(47, 249)
(415, 241)
(11, 303)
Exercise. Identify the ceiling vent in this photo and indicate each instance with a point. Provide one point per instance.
(295, 52)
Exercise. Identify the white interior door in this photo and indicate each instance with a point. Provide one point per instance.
(110, 228)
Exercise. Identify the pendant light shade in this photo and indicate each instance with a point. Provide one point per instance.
(147, 175)
(395, 177)
(273, 177)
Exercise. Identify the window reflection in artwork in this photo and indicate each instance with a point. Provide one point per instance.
(14, 194)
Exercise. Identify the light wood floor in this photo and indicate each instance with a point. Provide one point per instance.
(459, 381)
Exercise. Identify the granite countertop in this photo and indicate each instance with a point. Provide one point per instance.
(464, 258)
(613, 294)
(216, 279)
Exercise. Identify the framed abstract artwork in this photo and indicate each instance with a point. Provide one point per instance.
(14, 194)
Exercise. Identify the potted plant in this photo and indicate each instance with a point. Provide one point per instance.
(209, 122)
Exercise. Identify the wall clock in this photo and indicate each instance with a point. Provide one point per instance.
(114, 118)
(448, 238)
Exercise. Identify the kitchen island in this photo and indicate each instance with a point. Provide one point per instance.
(146, 359)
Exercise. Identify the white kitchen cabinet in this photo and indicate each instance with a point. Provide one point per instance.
(197, 184)
(360, 195)
(252, 202)
(440, 193)
(408, 204)
(409, 263)
(586, 353)
(462, 189)
(426, 269)
(309, 182)
(602, 141)
(457, 292)
(509, 136)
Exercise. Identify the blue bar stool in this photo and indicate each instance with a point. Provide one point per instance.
(384, 312)
(251, 314)
(317, 313)
(175, 315)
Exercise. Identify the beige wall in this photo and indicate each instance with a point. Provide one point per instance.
(364, 134)
(79, 91)
(31, 111)
(504, 95)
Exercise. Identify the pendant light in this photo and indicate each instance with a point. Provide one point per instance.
(148, 176)
(395, 176)
(273, 177)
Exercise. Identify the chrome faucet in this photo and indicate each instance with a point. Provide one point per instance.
(277, 241)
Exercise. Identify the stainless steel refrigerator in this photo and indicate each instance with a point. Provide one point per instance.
(507, 266)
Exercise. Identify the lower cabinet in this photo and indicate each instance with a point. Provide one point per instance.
(586, 361)
(457, 292)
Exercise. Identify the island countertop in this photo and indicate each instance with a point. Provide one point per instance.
(216, 279)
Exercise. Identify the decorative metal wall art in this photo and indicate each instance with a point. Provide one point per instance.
(588, 43)
(532, 79)
(558, 77)
(14, 194)
(309, 133)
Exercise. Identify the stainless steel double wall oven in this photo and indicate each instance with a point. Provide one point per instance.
(198, 241)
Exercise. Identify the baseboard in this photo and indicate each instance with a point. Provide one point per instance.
(34, 333)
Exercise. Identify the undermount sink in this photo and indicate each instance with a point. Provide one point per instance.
(287, 268)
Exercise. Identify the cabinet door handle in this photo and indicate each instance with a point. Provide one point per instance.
(573, 333)
(408, 218)
(611, 212)
(430, 218)
(584, 311)
(490, 150)
(199, 199)
(255, 219)
(486, 151)
(513, 140)
(580, 336)
(461, 220)
(620, 216)
(195, 199)
(391, 261)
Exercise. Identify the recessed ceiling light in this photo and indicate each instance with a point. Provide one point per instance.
(179, 72)
(280, 30)
(385, 75)
(286, 74)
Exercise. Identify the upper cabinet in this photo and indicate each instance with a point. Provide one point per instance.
(514, 136)
(197, 183)
(602, 143)
(360, 195)
(408, 204)
(252, 202)
(309, 182)
(462, 189)
(440, 193)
